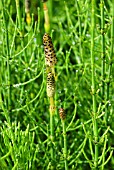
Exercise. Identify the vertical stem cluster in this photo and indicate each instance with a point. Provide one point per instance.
(110, 62)
(5, 18)
(95, 127)
(21, 27)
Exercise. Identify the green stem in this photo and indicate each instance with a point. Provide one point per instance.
(21, 31)
(19, 15)
(50, 7)
(5, 18)
(52, 110)
(65, 144)
(46, 16)
(103, 63)
(95, 127)
(110, 62)
(52, 133)
(80, 31)
(102, 52)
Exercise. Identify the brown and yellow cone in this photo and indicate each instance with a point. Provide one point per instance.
(50, 56)
(62, 113)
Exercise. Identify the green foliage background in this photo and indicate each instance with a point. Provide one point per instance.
(24, 126)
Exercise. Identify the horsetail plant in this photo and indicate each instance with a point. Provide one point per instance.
(8, 81)
(21, 28)
(103, 64)
(111, 55)
(25, 133)
(19, 17)
(50, 61)
(80, 31)
(103, 49)
(63, 118)
(93, 87)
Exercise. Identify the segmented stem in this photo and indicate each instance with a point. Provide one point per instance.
(103, 61)
(65, 144)
(19, 15)
(102, 52)
(80, 31)
(46, 16)
(52, 111)
(8, 58)
(65, 152)
(50, 61)
(110, 63)
(95, 127)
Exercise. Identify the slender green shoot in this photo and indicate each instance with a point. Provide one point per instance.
(102, 51)
(108, 79)
(8, 81)
(95, 126)
(65, 152)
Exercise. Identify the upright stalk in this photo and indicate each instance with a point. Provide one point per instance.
(65, 152)
(21, 28)
(110, 61)
(65, 144)
(8, 81)
(46, 17)
(103, 51)
(95, 127)
(20, 24)
(80, 31)
(52, 111)
(50, 60)
(103, 63)
(19, 16)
